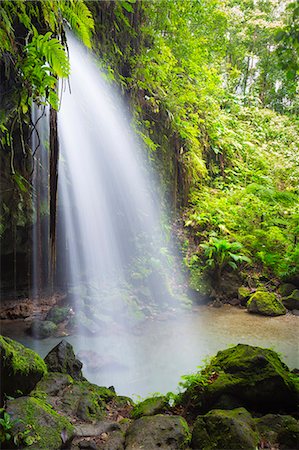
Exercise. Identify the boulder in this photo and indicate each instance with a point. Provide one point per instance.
(41, 329)
(79, 400)
(20, 368)
(150, 407)
(221, 429)
(292, 301)
(47, 429)
(265, 303)
(62, 359)
(286, 289)
(279, 429)
(253, 377)
(58, 314)
(244, 294)
(158, 432)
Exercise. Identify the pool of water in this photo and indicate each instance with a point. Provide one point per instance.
(153, 356)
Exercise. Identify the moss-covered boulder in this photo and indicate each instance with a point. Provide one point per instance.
(244, 294)
(49, 430)
(41, 329)
(265, 303)
(62, 359)
(58, 314)
(20, 368)
(221, 429)
(279, 430)
(252, 377)
(292, 301)
(79, 400)
(150, 407)
(154, 432)
(286, 289)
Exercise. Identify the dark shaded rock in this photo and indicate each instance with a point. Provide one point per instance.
(252, 376)
(229, 285)
(150, 407)
(279, 429)
(41, 329)
(77, 399)
(292, 301)
(265, 303)
(62, 359)
(49, 430)
(286, 289)
(87, 444)
(20, 368)
(295, 312)
(221, 429)
(158, 432)
(58, 314)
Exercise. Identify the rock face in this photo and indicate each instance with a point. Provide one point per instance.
(286, 289)
(246, 376)
(78, 400)
(20, 368)
(233, 429)
(154, 432)
(278, 429)
(62, 359)
(150, 407)
(48, 430)
(292, 301)
(265, 303)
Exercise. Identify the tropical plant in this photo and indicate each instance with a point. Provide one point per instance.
(220, 253)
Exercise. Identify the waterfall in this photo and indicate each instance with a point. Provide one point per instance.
(113, 254)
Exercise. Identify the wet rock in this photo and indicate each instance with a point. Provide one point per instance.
(158, 432)
(20, 310)
(150, 407)
(79, 400)
(286, 289)
(292, 301)
(244, 294)
(58, 314)
(233, 429)
(88, 444)
(20, 368)
(279, 429)
(295, 312)
(41, 329)
(49, 430)
(256, 378)
(62, 359)
(265, 303)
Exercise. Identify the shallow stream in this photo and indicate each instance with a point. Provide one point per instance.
(154, 355)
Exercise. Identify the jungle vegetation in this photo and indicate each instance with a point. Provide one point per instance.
(214, 89)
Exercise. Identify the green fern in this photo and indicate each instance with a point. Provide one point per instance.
(79, 18)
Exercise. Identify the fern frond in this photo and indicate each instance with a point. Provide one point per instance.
(79, 18)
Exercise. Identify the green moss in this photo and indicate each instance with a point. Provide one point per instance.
(46, 423)
(58, 314)
(265, 303)
(150, 407)
(20, 358)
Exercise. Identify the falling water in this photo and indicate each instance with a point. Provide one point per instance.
(115, 255)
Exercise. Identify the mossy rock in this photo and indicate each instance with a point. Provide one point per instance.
(58, 314)
(265, 303)
(221, 429)
(150, 407)
(292, 301)
(286, 289)
(62, 359)
(244, 294)
(279, 429)
(50, 430)
(77, 399)
(41, 329)
(159, 431)
(20, 368)
(253, 377)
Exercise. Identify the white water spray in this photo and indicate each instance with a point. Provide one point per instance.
(116, 256)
